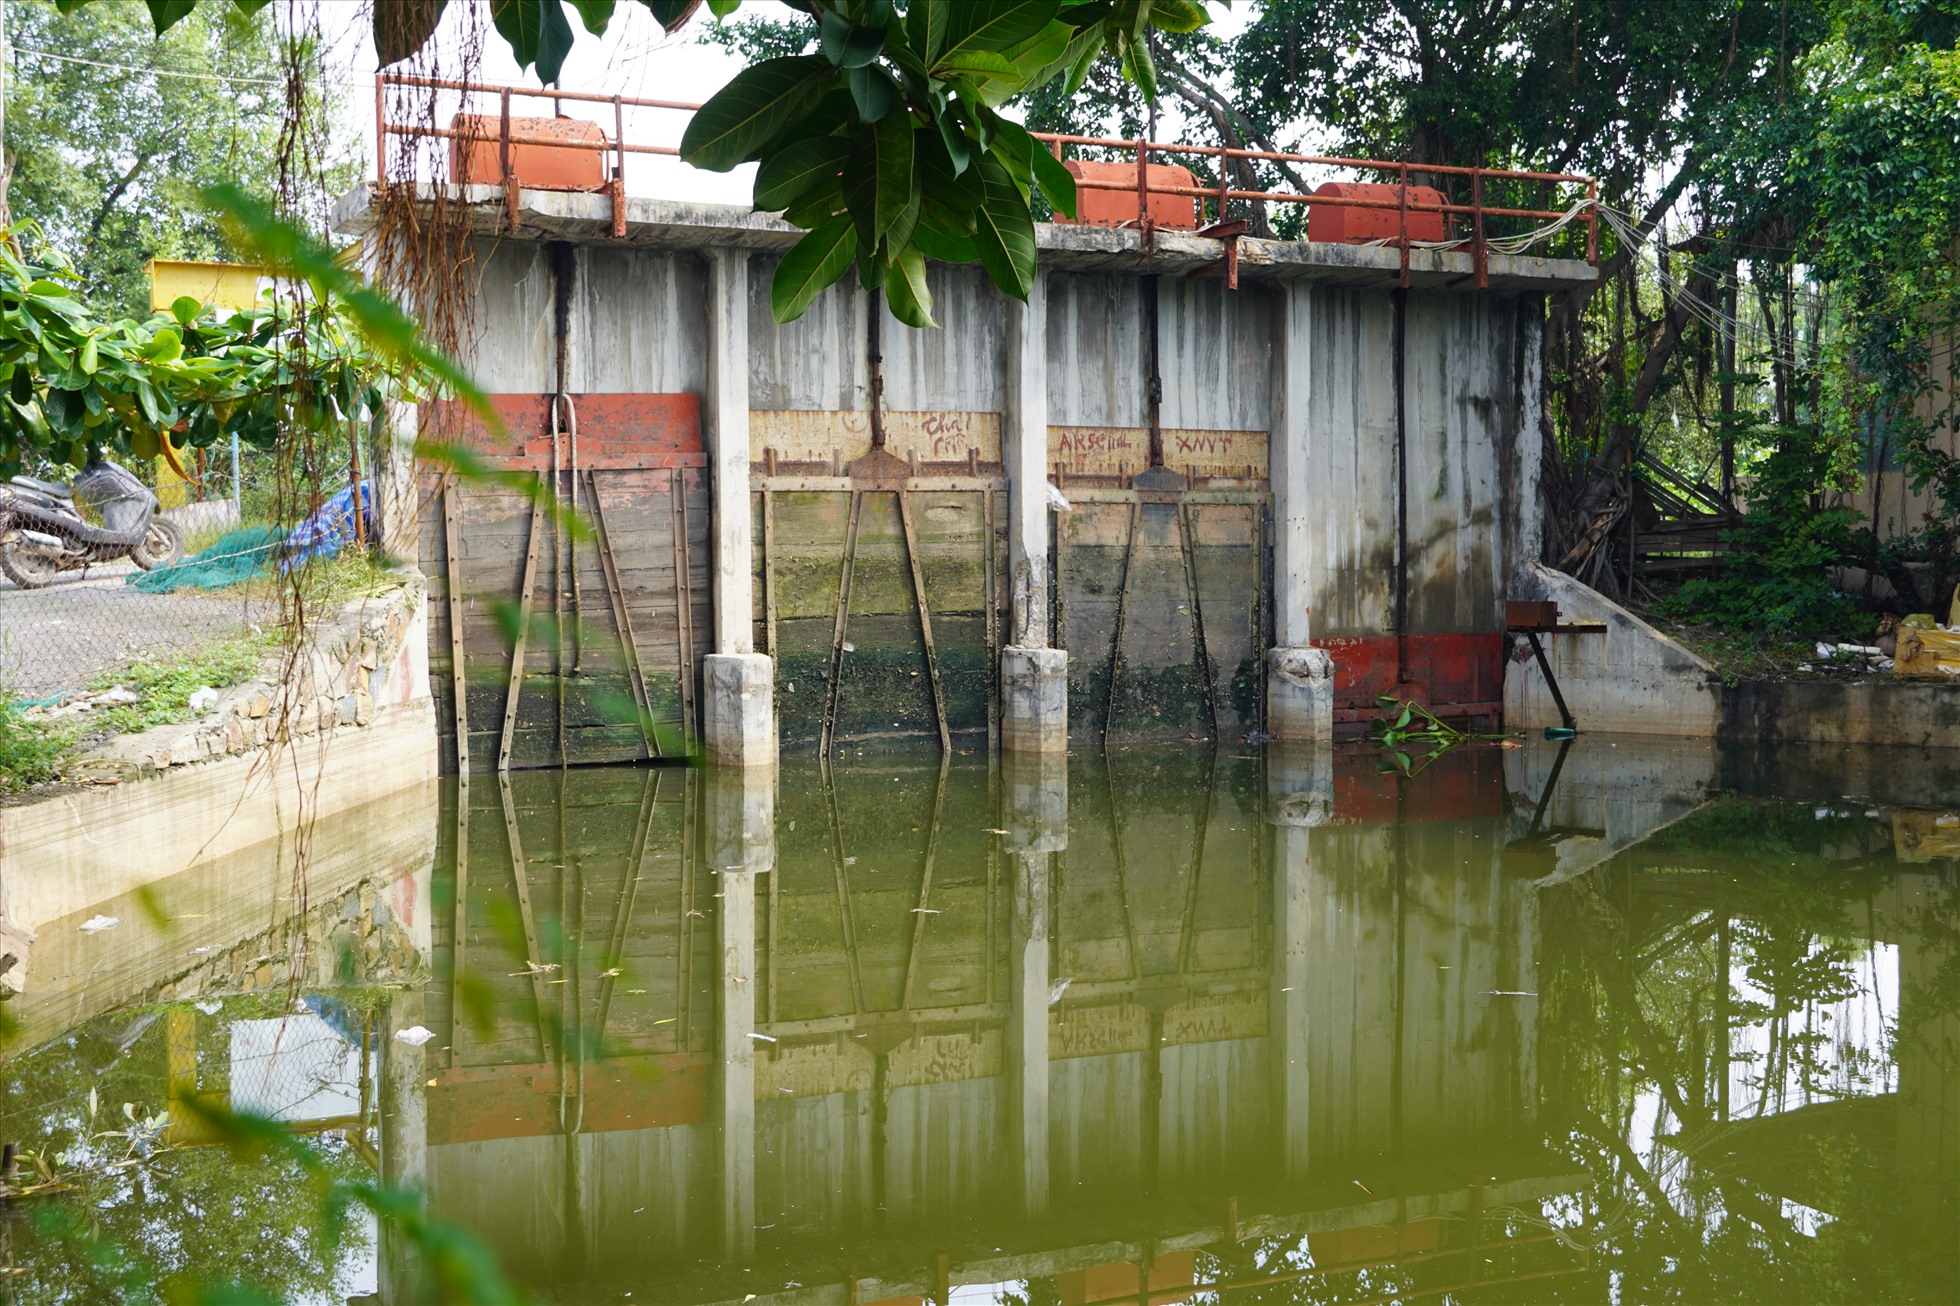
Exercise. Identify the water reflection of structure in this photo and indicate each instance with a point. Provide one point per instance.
(894, 1030)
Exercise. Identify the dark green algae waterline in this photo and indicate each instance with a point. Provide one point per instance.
(1624, 1022)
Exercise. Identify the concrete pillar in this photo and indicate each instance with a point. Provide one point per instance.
(400, 1277)
(739, 709)
(738, 702)
(741, 844)
(1299, 677)
(1034, 677)
(1037, 827)
(392, 478)
(1299, 798)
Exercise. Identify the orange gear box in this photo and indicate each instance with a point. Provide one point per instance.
(1342, 224)
(572, 166)
(1103, 207)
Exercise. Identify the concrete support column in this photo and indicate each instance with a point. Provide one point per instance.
(1299, 677)
(400, 1277)
(395, 500)
(1300, 797)
(741, 845)
(1037, 827)
(738, 702)
(1034, 677)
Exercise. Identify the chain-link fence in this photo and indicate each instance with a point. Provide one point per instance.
(159, 585)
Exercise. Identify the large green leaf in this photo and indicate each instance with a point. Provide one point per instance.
(1057, 182)
(878, 177)
(743, 116)
(906, 290)
(166, 14)
(992, 24)
(812, 266)
(1003, 230)
(537, 33)
(402, 28)
(796, 168)
(943, 234)
(594, 14)
(845, 43)
(872, 91)
(671, 14)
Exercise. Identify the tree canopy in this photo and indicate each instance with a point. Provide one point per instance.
(114, 132)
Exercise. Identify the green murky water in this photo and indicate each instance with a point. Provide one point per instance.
(1624, 1023)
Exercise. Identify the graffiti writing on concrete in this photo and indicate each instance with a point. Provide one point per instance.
(808, 436)
(1125, 451)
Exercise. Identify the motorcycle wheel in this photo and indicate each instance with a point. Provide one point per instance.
(26, 566)
(161, 546)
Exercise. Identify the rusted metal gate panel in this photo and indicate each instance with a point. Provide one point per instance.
(878, 580)
(577, 593)
(1163, 582)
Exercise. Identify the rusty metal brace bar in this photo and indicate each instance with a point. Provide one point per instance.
(840, 624)
(1402, 210)
(683, 599)
(511, 200)
(1479, 250)
(454, 563)
(1122, 609)
(1188, 546)
(619, 170)
(623, 619)
(519, 644)
(925, 620)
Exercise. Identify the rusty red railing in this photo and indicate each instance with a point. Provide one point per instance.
(1216, 196)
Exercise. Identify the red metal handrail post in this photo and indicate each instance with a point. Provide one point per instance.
(1480, 253)
(1592, 220)
(619, 170)
(503, 149)
(1143, 190)
(1224, 162)
(1402, 196)
(380, 129)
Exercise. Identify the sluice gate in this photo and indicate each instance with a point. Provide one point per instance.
(1150, 504)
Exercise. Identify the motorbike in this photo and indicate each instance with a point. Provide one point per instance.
(43, 532)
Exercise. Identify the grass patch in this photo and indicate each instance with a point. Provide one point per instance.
(167, 687)
(31, 752)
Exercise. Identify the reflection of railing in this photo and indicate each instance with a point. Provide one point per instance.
(1403, 203)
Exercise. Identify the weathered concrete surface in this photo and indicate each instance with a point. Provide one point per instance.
(1627, 679)
(739, 712)
(679, 223)
(1300, 694)
(1034, 700)
(1882, 710)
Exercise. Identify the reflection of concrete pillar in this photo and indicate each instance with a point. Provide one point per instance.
(741, 845)
(738, 710)
(1034, 677)
(404, 1111)
(1300, 796)
(1037, 827)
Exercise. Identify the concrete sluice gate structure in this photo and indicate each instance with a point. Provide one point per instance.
(1140, 505)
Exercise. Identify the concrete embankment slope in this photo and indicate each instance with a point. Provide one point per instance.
(1625, 677)
(338, 725)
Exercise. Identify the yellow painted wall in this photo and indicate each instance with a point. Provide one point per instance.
(221, 285)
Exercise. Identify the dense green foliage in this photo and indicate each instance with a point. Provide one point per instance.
(74, 381)
(109, 156)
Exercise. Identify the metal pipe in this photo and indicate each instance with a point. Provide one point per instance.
(1153, 393)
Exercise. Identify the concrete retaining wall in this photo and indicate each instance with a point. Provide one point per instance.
(1627, 678)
